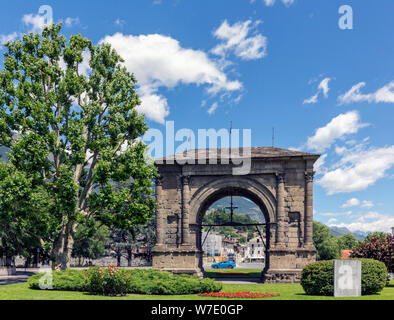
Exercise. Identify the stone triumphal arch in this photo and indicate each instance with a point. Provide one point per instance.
(279, 181)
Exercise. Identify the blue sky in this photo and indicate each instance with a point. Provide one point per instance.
(261, 64)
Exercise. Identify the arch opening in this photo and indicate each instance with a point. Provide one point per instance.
(233, 225)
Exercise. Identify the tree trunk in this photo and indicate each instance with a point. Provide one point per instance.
(129, 256)
(62, 248)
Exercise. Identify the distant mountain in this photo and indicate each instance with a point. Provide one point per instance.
(245, 207)
(340, 231)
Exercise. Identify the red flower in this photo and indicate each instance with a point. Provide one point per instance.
(238, 295)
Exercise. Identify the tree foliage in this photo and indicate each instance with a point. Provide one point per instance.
(122, 242)
(72, 133)
(220, 216)
(348, 241)
(90, 241)
(374, 235)
(327, 245)
(377, 247)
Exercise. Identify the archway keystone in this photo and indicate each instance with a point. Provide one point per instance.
(279, 182)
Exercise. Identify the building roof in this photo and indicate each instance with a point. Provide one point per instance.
(345, 254)
(253, 152)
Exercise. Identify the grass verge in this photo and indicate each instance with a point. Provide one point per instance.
(233, 273)
(290, 291)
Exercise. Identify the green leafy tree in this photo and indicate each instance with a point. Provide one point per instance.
(377, 247)
(220, 216)
(348, 241)
(71, 136)
(90, 242)
(242, 240)
(375, 235)
(25, 215)
(121, 242)
(327, 245)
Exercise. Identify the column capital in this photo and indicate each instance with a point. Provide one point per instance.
(159, 181)
(186, 180)
(179, 181)
(280, 177)
(309, 176)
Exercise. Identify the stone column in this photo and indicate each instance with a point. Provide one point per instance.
(308, 208)
(185, 210)
(280, 210)
(159, 214)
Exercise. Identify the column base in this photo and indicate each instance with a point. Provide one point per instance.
(283, 258)
(282, 276)
(185, 259)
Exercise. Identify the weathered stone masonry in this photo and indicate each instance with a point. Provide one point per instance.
(280, 182)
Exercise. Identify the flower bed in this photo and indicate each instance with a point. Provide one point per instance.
(247, 295)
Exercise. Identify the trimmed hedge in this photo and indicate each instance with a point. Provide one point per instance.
(68, 280)
(138, 281)
(153, 282)
(317, 278)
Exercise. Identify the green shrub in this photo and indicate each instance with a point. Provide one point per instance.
(318, 278)
(68, 280)
(108, 281)
(138, 281)
(151, 281)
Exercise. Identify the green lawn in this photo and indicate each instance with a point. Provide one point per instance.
(291, 291)
(233, 273)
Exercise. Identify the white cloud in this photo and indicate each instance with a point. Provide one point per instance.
(119, 22)
(312, 99)
(160, 61)
(270, 3)
(237, 39)
(332, 220)
(340, 150)
(384, 94)
(370, 215)
(35, 22)
(318, 166)
(287, 2)
(351, 203)
(335, 214)
(359, 168)
(213, 107)
(322, 87)
(367, 204)
(153, 105)
(337, 128)
(371, 222)
(4, 38)
(69, 22)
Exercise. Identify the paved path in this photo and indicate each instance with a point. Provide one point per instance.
(258, 266)
(20, 276)
(239, 280)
